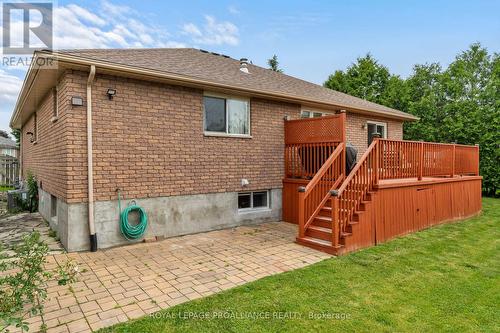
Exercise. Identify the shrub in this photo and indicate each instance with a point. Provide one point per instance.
(32, 186)
(24, 281)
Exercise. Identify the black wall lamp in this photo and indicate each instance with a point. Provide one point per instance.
(31, 136)
(111, 93)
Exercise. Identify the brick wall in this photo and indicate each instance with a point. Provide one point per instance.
(358, 136)
(149, 142)
(48, 158)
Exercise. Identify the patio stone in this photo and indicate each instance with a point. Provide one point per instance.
(128, 282)
(14, 227)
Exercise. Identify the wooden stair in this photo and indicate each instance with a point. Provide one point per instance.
(360, 218)
(318, 234)
(330, 231)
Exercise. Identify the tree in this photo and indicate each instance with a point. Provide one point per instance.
(274, 64)
(16, 134)
(4, 134)
(367, 79)
(472, 111)
(426, 101)
(458, 104)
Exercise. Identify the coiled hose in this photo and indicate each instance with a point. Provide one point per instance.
(132, 232)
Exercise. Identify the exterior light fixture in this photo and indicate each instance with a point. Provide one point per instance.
(111, 93)
(76, 101)
(31, 136)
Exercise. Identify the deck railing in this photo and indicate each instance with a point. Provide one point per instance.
(315, 153)
(399, 159)
(466, 160)
(313, 196)
(392, 159)
(305, 159)
(309, 142)
(415, 159)
(354, 189)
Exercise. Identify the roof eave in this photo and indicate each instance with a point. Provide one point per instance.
(28, 79)
(181, 80)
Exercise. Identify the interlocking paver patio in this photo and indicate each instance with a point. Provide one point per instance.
(125, 283)
(14, 227)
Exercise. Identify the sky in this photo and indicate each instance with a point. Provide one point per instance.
(312, 39)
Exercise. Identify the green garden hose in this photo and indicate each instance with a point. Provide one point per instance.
(132, 232)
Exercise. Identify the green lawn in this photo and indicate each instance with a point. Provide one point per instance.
(442, 279)
(4, 188)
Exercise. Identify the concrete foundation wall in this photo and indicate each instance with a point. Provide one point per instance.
(167, 217)
(44, 206)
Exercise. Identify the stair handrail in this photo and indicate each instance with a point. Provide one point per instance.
(365, 176)
(356, 167)
(324, 167)
(308, 210)
(348, 198)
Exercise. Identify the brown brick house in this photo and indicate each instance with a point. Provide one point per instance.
(195, 138)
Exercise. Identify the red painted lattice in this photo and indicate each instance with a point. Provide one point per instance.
(314, 130)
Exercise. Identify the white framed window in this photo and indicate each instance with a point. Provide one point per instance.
(226, 115)
(254, 200)
(313, 114)
(376, 127)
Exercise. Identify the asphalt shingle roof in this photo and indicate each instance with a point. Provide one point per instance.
(218, 69)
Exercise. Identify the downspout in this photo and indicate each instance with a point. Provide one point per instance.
(20, 157)
(90, 169)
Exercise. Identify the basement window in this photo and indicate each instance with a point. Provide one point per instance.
(226, 116)
(53, 206)
(253, 200)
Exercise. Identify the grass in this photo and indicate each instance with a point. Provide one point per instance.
(443, 279)
(4, 188)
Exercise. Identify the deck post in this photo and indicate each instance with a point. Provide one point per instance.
(377, 160)
(421, 161)
(302, 193)
(453, 161)
(285, 151)
(335, 218)
(477, 158)
(343, 116)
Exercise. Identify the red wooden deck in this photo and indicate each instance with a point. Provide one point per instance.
(399, 182)
(401, 206)
(396, 187)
